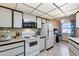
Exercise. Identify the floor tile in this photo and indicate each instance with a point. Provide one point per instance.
(60, 49)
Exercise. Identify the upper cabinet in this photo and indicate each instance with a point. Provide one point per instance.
(77, 20)
(17, 19)
(5, 17)
(29, 18)
(9, 5)
(44, 20)
(39, 23)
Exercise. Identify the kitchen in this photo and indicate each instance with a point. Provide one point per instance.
(29, 29)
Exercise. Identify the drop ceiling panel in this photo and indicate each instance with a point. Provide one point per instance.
(72, 11)
(54, 12)
(59, 15)
(69, 6)
(61, 4)
(47, 16)
(34, 5)
(36, 13)
(24, 8)
(9, 5)
(46, 7)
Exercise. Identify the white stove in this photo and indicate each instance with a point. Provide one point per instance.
(32, 47)
(32, 43)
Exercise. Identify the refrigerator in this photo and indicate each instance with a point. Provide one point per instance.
(50, 41)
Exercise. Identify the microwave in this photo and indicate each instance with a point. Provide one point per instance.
(29, 24)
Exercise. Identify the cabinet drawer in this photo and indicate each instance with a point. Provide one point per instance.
(71, 52)
(74, 49)
(11, 46)
(76, 45)
(13, 52)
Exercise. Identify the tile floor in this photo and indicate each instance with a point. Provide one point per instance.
(60, 49)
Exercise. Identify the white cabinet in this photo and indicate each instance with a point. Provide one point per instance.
(39, 23)
(29, 18)
(12, 49)
(5, 17)
(42, 44)
(74, 47)
(77, 20)
(44, 20)
(17, 19)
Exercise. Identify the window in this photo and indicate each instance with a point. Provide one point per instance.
(66, 27)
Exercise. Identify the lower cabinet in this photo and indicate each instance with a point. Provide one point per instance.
(42, 44)
(15, 49)
(73, 49)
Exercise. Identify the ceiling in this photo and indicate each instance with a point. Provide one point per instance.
(45, 10)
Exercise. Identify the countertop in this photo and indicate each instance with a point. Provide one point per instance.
(12, 41)
(74, 39)
(42, 36)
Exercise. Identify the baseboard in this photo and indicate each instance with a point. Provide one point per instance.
(42, 50)
(50, 48)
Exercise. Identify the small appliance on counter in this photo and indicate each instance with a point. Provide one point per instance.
(6, 36)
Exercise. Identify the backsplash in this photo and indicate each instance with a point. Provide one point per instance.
(29, 32)
(17, 32)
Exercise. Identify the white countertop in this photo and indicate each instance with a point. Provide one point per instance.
(19, 39)
(11, 41)
(76, 39)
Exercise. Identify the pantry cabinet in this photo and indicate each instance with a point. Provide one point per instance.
(39, 23)
(5, 17)
(17, 19)
(77, 20)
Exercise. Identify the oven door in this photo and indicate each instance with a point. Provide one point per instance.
(32, 43)
(32, 47)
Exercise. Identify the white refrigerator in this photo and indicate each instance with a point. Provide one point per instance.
(51, 37)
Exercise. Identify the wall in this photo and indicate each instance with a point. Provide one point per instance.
(56, 23)
(77, 32)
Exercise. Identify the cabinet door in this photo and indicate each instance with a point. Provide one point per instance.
(43, 20)
(5, 17)
(13, 52)
(77, 20)
(17, 19)
(29, 18)
(12, 49)
(42, 44)
(39, 25)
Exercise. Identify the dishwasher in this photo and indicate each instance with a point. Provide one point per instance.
(42, 43)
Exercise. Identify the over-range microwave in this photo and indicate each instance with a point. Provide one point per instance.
(29, 24)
